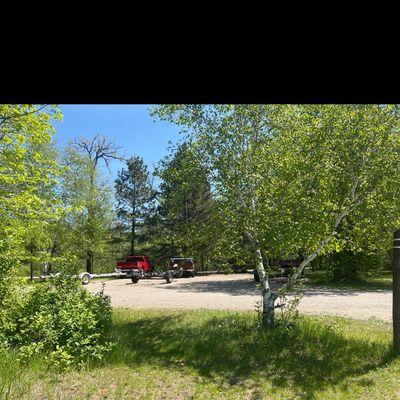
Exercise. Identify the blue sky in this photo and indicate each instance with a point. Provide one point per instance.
(131, 126)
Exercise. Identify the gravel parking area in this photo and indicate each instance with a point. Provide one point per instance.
(238, 292)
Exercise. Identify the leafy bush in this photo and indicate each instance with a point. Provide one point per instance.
(10, 296)
(5, 280)
(61, 320)
(351, 265)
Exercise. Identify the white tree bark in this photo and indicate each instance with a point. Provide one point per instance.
(268, 297)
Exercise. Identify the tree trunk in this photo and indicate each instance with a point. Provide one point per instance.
(133, 228)
(268, 297)
(89, 261)
(50, 264)
(396, 292)
(293, 278)
(31, 263)
(308, 259)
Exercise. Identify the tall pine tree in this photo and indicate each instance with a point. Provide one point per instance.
(133, 192)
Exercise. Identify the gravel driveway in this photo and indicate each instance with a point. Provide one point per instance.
(238, 292)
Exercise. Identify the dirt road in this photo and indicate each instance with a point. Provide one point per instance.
(238, 292)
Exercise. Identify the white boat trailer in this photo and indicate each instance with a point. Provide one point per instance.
(85, 277)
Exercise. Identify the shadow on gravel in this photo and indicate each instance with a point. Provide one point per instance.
(232, 287)
(152, 280)
(308, 357)
(248, 287)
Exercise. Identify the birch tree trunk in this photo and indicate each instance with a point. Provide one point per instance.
(268, 297)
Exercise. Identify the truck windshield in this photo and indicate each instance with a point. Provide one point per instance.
(134, 259)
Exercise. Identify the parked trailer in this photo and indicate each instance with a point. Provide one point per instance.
(139, 267)
(179, 267)
(84, 277)
(182, 267)
(137, 274)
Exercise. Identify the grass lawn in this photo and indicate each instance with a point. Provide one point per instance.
(222, 355)
(381, 280)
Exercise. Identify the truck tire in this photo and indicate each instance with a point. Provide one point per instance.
(135, 279)
(169, 277)
(86, 278)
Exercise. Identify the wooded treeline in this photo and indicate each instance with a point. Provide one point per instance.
(247, 183)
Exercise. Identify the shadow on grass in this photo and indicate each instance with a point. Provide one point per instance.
(344, 291)
(368, 284)
(230, 347)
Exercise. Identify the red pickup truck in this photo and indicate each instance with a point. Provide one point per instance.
(138, 267)
(134, 264)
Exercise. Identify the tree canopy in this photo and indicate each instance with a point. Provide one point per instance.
(247, 185)
(291, 175)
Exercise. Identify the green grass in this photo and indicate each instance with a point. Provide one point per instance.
(222, 355)
(381, 280)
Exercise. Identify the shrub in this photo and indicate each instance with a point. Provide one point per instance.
(9, 296)
(60, 319)
(350, 265)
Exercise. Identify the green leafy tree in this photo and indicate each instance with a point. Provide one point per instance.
(37, 238)
(291, 175)
(28, 172)
(24, 168)
(186, 206)
(27, 199)
(58, 318)
(88, 196)
(232, 142)
(342, 162)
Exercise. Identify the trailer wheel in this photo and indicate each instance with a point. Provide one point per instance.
(169, 277)
(86, 278)
(135, 279)
(192, 274)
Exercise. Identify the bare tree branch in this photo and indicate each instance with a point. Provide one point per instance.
(98, 148)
